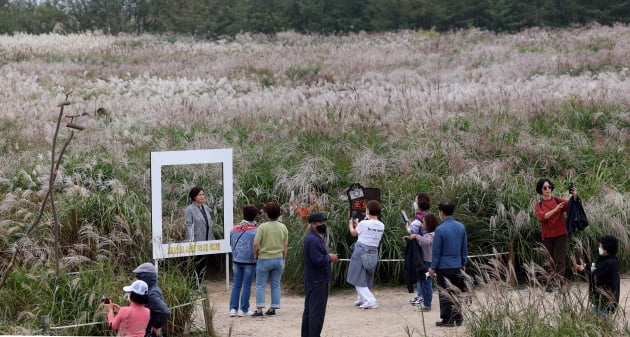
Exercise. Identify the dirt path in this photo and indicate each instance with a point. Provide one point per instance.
(393, 318)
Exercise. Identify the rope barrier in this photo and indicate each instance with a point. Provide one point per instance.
(469, 256)
(46, 320)
(73, 326)
(185, 304)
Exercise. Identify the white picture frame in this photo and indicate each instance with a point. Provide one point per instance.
(189, 157)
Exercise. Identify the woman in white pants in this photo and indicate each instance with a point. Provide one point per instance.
(365, 254)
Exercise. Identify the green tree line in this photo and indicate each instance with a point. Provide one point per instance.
(215, 18)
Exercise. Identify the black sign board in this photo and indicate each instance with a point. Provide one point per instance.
(359, 197)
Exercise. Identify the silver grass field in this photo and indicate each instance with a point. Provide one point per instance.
(471, 116)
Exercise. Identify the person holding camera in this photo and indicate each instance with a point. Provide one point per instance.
(421, 206)
(131, 321)
(317, 275)
(365, 254)
(555, 236)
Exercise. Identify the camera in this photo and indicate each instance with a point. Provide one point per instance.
(355, 193)
(105, 300)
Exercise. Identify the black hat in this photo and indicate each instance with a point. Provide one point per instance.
(316, 217)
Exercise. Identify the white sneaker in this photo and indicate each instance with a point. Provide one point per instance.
(232, 312)
(421, 307)
(416, 300)
(369, 306)
(243, 314)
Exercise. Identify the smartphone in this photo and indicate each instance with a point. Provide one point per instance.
(354, 215)
(105, 300)
(404, 218)
(570, 186)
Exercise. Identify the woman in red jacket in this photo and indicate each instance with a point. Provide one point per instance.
(550, 212)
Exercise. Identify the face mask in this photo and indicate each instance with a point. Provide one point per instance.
(415, 206)
(321, 228)
(601, 251)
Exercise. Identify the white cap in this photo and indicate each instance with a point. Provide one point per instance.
(139, 287)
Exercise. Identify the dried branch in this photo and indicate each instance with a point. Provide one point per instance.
(54, 168)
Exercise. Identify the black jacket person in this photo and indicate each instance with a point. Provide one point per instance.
(159, 311)
(604, 278)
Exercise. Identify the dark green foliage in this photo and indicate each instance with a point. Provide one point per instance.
(216, 18)
(29, 16)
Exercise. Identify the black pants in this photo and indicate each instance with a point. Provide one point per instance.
(557, 248)
(314, 308)
(449, 311)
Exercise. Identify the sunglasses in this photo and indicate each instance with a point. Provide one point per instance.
(547, 187)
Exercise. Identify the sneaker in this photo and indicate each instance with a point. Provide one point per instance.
(357, 303)
(232, 312)
(368, 306)
(243, 314)
(416, 300)
(422, 307)
(257, 314)
(271, 312)
(445, 324)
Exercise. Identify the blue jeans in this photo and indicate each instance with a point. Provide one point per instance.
(425, 288)
(269, 269)
(242, 287)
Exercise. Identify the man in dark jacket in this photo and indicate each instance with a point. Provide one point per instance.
(159, 311)
(317, 275)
